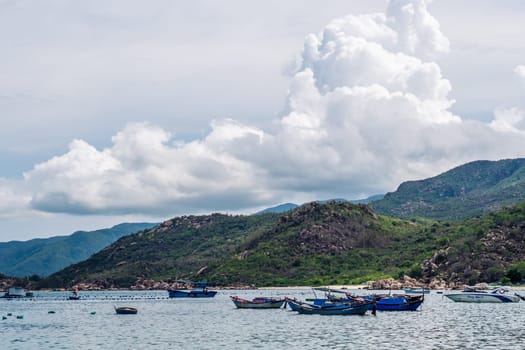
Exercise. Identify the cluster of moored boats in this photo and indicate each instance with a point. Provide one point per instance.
(333, 301)
(337, 302)
(341, 302)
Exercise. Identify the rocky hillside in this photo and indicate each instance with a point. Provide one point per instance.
(333, 243)
(484, 249)
(315, 244)
(469, 190)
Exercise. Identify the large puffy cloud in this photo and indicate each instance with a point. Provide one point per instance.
(144, 172)
(367, 108)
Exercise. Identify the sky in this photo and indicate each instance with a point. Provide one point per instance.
(125, 111)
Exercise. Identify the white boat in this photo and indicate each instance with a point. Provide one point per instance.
(470, 295)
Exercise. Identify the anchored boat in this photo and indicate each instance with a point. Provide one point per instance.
(472, 295)
(381, 302)
(351, 308)
(258, 303)
(197, 290)
(125, 310)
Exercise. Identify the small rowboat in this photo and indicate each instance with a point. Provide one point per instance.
(258, 303)
(126, 310)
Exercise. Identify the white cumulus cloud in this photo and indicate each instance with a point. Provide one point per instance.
(367, 109)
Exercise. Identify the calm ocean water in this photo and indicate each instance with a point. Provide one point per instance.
(163, 323)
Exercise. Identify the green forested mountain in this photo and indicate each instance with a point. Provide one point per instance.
(47, 255)
(178, 248)
(466, 191)
(332, 243)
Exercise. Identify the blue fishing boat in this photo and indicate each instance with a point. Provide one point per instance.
(342, 309)
(382, 302)
(195, 290)
(398, 302)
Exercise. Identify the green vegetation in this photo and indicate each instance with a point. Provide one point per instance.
(315, 244)
(516, 272)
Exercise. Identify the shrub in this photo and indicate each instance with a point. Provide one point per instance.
(516, 272)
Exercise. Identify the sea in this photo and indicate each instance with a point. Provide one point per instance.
(50, 321)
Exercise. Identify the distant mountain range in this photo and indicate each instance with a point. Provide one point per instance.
(44, 256)
(466, 191)
(283, 208)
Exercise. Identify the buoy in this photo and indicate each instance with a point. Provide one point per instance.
(19, 317)
(93, 312)
(9, 314)
(4, 317)
(51, 312)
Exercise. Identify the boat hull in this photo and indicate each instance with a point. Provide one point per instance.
(399, 303)
(258, 303)
(193, 293)
(126, 310)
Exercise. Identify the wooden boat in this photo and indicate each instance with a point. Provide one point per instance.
(126, 310)
(472, 295)
(353, 308)
(258, 303)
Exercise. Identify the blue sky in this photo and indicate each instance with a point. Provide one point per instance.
(118, 111)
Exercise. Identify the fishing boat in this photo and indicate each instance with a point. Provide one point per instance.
(125, 310)
(381, 302)
(15, 292)
(75, 295)
(196, 290)
(417, 291)
(473, 295)
(398, 302)
(258, 303)
(353, 308)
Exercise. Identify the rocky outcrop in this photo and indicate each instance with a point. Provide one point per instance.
(406, 282)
